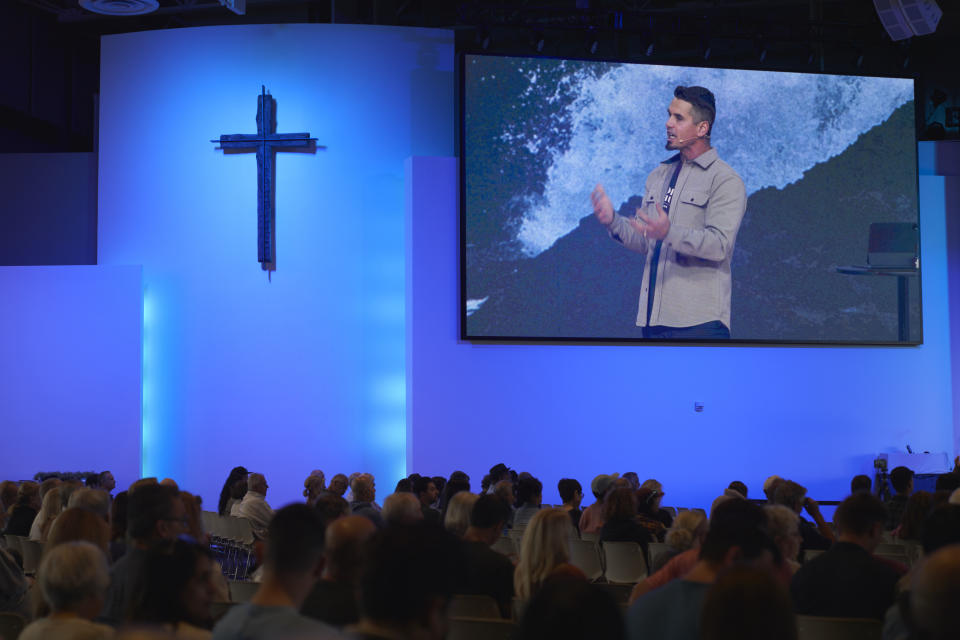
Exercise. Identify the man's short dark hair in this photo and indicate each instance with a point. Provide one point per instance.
(568, 488)
(421, 484)
(404, 570)
(737, 523)
(739, 487)
(527, 488)
(703, 105)
(295, 539)
(148, 505)
(900, 478)
(860, 483)
(403, 486)
(489, 511)
(858, 514)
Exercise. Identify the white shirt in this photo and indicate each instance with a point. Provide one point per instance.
(254, 508)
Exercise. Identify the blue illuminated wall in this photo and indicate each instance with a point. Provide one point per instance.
(70, 370)
(817, 415)
(303, 369)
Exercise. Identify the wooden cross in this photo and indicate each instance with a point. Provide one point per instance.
(266, 142)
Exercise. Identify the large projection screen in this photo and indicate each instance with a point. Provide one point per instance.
(828, 164)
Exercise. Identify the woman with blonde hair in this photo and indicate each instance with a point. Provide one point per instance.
(457, 518)
(49, 510)
(544, 552)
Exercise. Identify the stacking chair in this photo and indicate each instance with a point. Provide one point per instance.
(624, 562)
(242, 591)
(465, 628)
(585, 555)
(817, 628)
(13, 543)
(591, 537)
(474, 606)
(660, 554)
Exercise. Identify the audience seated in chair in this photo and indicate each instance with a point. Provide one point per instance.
(529, 499)
(571, 493)
(847, 581)
(737, 536)
(484, 571)
(155, 517)
(49, 510)
(333, 598)
(746, 603)
(294, 562)
(176, 590)
(254, 506)
(364, 490)
(427, 493)
(24, 511)
(236, 480)
(544, 552)
(934, 596)
(687, 533)
(901, 479)
(819, 536)
(406, 582)
(456, 520)
(784, 527)
(314, 486)
(401, 508)
(591, 521)
(620, 519)
(73, 579)
(566, 608)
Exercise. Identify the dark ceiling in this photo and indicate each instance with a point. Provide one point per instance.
(51, 47)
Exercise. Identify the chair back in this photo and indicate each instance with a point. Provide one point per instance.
(11, 624)
(474, 606)
(466, 628)
(590, 537)
(660, 554)
(810, 554)
(13, 543)
(819, 628)
(242, 591)
(585, 555)
(624, 562)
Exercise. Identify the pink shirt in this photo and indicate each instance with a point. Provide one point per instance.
(591, 520)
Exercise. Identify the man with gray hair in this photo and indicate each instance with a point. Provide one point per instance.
(73, 578)
(94, 500)
(401, 508)
(254, 505)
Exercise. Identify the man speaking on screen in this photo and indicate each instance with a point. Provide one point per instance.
(692, 207)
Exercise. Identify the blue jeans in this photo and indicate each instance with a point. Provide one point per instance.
(715, 330)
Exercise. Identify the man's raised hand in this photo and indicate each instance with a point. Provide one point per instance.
(602, 208)
(653, 228)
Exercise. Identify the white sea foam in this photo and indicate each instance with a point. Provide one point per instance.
(771, 128)
(474, 305)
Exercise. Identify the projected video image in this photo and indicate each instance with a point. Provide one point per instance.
(792, 217)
